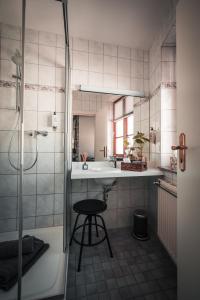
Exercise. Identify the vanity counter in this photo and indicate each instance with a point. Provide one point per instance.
(105, 170)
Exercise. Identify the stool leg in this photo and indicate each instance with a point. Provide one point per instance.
(89, 230)
(97, 232)
(82, 241)
(74, 229)
(106, 234)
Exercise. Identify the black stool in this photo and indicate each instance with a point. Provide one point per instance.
(91, 208)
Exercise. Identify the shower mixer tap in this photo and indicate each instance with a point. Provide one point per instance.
(41, 132)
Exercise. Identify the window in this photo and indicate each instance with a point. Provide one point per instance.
(122, 124)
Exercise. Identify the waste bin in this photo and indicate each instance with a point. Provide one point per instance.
(140, 225)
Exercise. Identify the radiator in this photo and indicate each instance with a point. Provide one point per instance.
(167, 218)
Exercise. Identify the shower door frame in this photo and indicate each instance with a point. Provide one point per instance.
(21, 158)
(67, 150)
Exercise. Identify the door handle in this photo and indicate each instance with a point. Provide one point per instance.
(182, 151)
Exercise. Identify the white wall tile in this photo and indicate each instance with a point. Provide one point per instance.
(80, 44)
(79, 77)
(110, 65)
(124, 67)
(146, 56)
(44, 221)
(80, 60)
(31, 36)
(5, 167)
(95, 47)
(8, 98)
(60, 57)
(8, 48)
(8, 119)
(46, 101)
(110, 81)
(60, 77)
(137, 84)
(79, 186)
(59, 142)
(95, 62)
(30, 100)
(168, 97)
(47, 55)
(7, 225)
(8, 185)
(168, 120)
(47, 75)
(168, 72)
(95, 79)
(47, 38)
(60, 102)
(31, 73)
(59, 183)
(30, 120)
(59, 162)
(45, 184)
(46, 144)
(10, 31)
(60, 41)
(137, 54)
(29, 184)
(59, 203)
(45, 205)
(124, 52)
(7, 69)
(45, 121)
(124, 82)
(45, 163)
(31, 53)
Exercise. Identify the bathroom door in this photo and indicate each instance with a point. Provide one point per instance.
(188, 95)
(101, 127)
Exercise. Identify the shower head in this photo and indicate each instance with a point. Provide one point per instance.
(17, 58)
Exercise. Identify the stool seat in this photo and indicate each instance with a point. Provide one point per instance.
(90, 207)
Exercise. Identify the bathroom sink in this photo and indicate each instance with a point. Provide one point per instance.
(105, 181)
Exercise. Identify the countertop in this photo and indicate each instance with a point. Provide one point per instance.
(105, 170)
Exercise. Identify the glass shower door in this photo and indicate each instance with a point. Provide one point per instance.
(44, 131)
(10, 150)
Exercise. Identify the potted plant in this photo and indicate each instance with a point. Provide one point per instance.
(139, 141)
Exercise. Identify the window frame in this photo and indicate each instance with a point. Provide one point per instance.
(125, 126)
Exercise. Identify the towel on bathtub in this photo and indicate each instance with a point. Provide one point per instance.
(9, 249)
(9, 267)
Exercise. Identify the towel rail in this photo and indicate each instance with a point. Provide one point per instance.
(165, 189)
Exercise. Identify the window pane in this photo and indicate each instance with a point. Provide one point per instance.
(128, 104)
(130, 125)
(130, 140)
(120, 128)
(120, 146)
(118, 109)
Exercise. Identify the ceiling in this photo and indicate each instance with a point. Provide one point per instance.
(132, 23)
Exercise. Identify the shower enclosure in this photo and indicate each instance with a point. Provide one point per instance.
(34, 153)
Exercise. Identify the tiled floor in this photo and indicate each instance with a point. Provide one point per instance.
(138, 270)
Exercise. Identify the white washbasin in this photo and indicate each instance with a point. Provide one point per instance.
(105, 181)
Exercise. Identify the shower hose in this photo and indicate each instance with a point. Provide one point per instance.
(10, 145)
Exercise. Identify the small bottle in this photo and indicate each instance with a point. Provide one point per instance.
(85, 166)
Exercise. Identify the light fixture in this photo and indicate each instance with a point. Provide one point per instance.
(85, 88)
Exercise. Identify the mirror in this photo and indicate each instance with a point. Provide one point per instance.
(104, 123)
